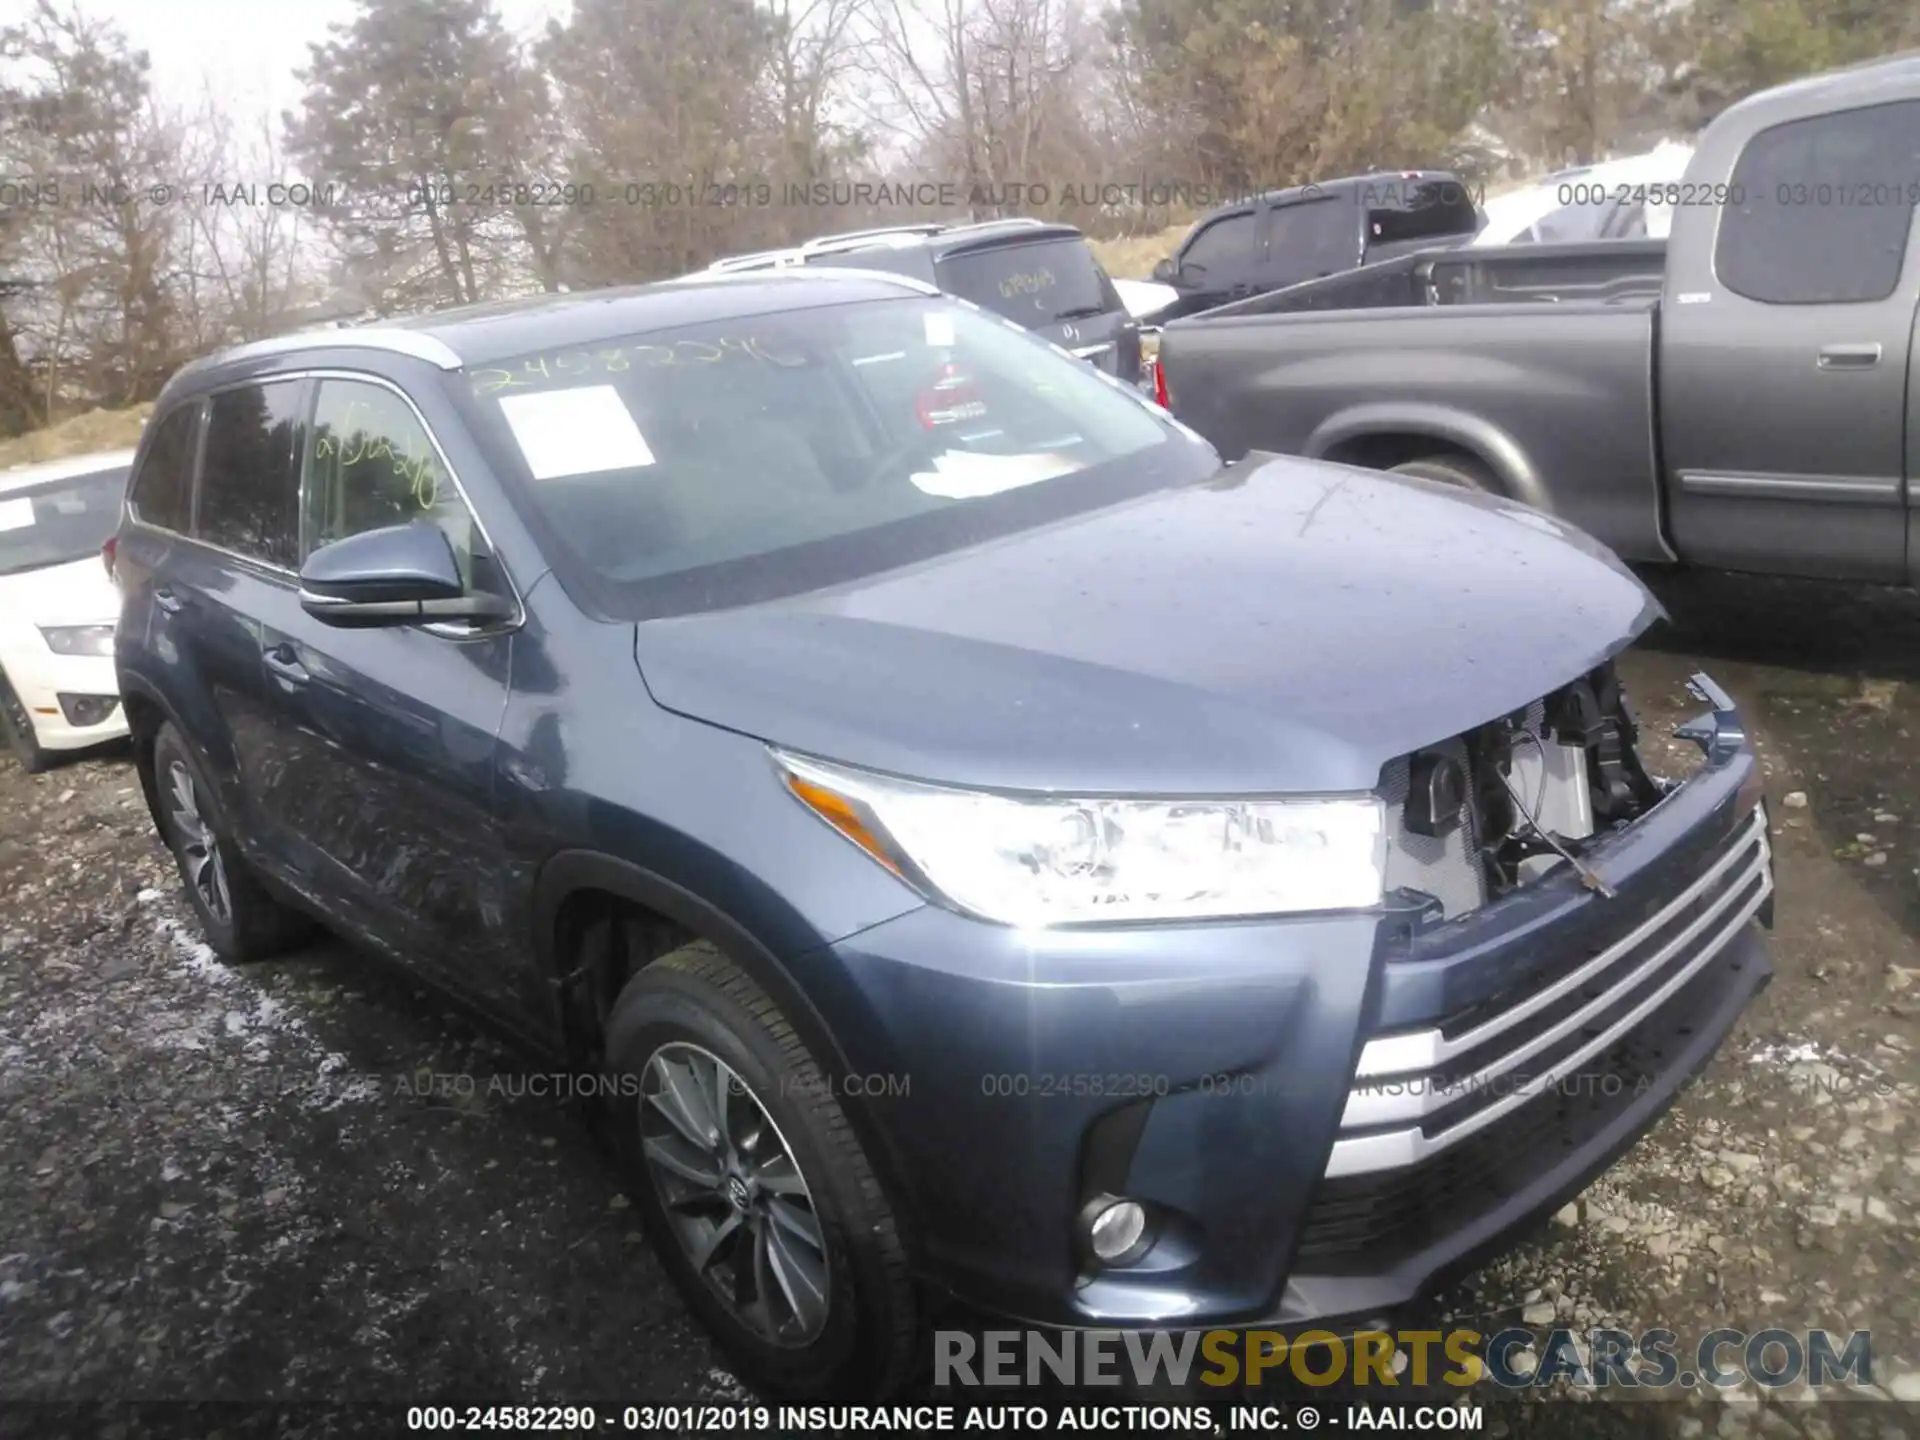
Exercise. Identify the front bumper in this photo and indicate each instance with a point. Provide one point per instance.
(48, 689)
(1327, 1114)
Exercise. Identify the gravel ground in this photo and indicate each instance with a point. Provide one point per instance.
(220, 1184)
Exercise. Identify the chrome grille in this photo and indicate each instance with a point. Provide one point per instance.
(1416, 1094)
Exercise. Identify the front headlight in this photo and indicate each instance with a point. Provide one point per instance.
(1045, 860)
(78, 639)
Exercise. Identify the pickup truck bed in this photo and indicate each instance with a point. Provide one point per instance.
(1614, 270)
(1290, 372)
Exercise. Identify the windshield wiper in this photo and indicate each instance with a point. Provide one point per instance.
(1084, 312)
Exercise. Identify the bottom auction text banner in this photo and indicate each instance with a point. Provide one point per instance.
(1054, 1416)
(1470, 1414)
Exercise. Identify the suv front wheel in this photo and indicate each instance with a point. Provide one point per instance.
(758, 1197)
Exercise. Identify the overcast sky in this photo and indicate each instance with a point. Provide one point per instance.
(247, 50)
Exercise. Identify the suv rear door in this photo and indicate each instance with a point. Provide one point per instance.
(1052, 286)
(210, 550)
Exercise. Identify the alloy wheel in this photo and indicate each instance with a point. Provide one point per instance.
(734, 1195)
(199, 847)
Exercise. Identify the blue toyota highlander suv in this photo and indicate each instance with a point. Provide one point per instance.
(996, 851)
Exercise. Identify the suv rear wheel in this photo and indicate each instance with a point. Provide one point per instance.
(758, 1197)
(241, 921)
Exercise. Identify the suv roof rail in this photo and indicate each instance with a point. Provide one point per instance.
(848, 239)
(758, 260)
(1011, 222)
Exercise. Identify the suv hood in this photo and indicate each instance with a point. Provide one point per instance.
(1288, 626)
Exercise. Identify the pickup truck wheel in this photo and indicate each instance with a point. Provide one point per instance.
(17, 726)
(241, 921)
(756, 1193)
(1457, 470)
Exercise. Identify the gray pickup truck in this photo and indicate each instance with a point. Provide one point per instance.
(1741, 395)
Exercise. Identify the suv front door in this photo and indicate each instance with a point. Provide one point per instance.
(387, 736)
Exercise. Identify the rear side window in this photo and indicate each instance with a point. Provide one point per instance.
(1419, 210)
(371, 464)
(1036, 283)
(1824, 208)
(162, 492)
(1315, 237)
(249, 475)
(1226, 244)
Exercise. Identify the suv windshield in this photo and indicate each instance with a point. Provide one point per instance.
(59, 521)
(723, 463)
(1034, 283)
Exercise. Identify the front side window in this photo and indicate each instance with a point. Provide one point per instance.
(1224, 245)
(1820, 208)
(370, 464)
(162, 492)
(249, 477)
(59, 521)
(715, 464)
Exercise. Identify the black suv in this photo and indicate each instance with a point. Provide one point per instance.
(1287, 236)
(1037, 274)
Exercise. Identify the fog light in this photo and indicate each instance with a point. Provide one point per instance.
(1115, 1228)
(83, 711)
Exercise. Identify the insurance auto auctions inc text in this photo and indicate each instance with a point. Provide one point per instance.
(1512, 1359)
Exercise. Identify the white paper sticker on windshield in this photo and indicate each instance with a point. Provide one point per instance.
(939, 329)
(16, 514)
(959, 475)
(575, 432)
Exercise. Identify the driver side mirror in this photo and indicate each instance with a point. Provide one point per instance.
(399, 575)
(1166, 272)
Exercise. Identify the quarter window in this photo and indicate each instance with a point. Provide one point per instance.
(371, 464)
(162, 492)
(249, 480)
(1824, 208)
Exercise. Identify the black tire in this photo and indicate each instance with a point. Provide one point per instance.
(251, 925)
(1458, 470)
(696, 1002)
(17, 725)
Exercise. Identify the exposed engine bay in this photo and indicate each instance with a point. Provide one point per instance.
(1479, 815)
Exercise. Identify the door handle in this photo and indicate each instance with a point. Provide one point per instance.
(1848, 357)
(286, 666)
(168, 601)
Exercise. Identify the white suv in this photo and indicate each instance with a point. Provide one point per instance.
(58, 605)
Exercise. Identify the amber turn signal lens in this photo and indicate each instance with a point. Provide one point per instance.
(843, 815)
